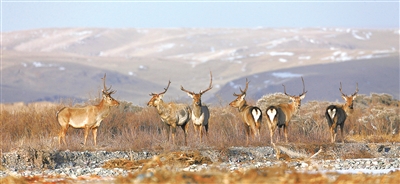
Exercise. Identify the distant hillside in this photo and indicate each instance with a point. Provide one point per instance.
(322, 81)
(54, 64)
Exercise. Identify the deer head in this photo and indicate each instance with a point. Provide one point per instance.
(240, 97)
(296, 99)
(107, 94)
(197, 96)
(156, 97)
(349, 98)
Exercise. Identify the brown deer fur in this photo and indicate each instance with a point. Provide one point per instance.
(336, 114)
(172, 114)
(200, 112)
(251, 115)
(87, 118)
(279, 116)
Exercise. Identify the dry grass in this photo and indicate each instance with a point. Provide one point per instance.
(128, 127)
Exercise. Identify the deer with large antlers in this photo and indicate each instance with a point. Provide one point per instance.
(200, 112)
(88, 117)
(172, 114)
(251, 115)
(336, 114)
(279, 116)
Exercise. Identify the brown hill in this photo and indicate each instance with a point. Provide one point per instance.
(49, 64)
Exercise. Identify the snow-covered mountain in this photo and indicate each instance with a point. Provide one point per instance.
(49, 64)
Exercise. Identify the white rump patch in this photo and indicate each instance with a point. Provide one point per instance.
(271, 114)
(332, 113)
(256, 114)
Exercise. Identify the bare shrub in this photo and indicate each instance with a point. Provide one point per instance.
(129, 127)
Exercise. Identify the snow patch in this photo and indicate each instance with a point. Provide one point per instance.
(285, 75)
(338, 56)
(165, 47)
(257, 54)
(304, 57)
(81, 33)
(276, 42)
(281, 53)
(143, 31)
(142, 67)
(38, 64)
(282, 60)
(364, 36)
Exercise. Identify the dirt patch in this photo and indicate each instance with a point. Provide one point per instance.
(176, 159)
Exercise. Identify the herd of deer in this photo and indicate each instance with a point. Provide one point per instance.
(174, 114)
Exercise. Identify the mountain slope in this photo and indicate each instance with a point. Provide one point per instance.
(49, 64)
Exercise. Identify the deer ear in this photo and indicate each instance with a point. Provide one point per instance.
(344, 98)
(354, 97)
(302, 96)
(242, 97)
(190, 95)
(160, 96)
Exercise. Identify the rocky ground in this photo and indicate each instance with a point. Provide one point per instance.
(374, 158)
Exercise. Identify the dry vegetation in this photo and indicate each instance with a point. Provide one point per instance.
(130, 127)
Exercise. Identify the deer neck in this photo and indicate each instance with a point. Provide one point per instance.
(103, 108)
(347, 109)
(242, 106)
(292, 107)
(197, 110)
(162, 107)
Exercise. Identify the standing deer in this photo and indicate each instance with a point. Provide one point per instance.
(251, 115)
(171, 114)
(280, 115)
(88, 117)
(200, 112)
(336, 114)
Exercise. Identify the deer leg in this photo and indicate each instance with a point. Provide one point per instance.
(341, 131)
(173, 134)
(168, 129)
(206, 127)
(285, 131)
(86, 132)
(94, 132)
(331, 131)
(61, 135)
(334, 132)
(278, 138)
(271, 134)
(247, 128)
(185, 131)
(201, 133)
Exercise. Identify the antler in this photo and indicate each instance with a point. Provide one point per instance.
(209, 87)
(105, 90)
(355, 93)
(245, 89)
(165, 90)
(183, 89)
(304, 89)
(284, 90)
(201, 92)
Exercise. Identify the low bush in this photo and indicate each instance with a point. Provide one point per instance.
(129, 127)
